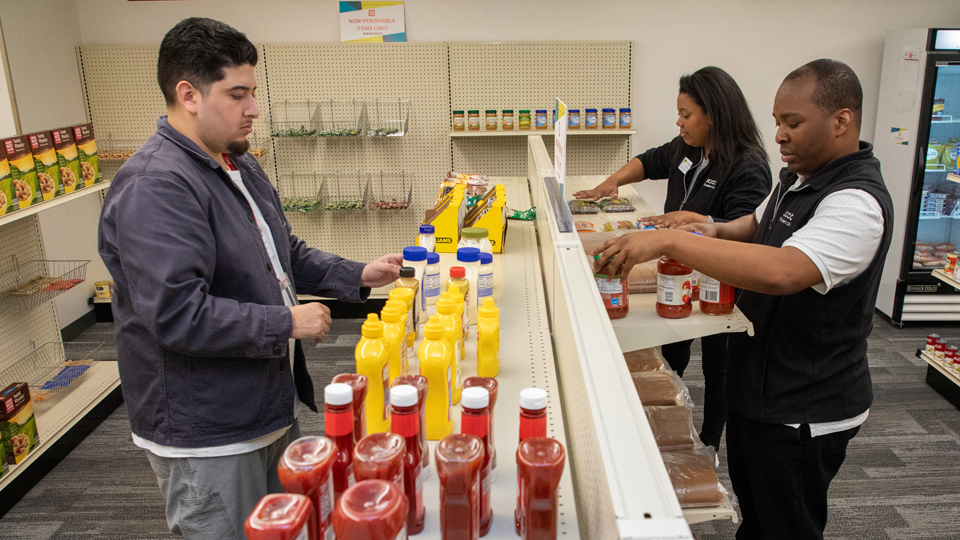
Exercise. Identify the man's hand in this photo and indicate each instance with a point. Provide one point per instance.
(629, 250)
(607, 188)
(311, 321)
(706, 229)
(672, 220)
(382, 271)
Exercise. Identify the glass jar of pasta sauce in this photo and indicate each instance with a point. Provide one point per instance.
(613, 291)
(674, 289)
(716, 298)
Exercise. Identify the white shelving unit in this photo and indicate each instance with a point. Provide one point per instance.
(951, 374)
(949, 280)
(46, 205)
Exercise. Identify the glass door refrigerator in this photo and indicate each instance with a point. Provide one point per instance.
(917, 140)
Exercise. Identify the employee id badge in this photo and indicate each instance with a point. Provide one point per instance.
(685, 165)
(288, 292)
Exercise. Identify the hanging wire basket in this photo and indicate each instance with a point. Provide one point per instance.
(293, 119)
(258, 147)
(52, 369)
(110, 149)
(32, 283)
(300, 192)
(342, 191)
(387, 118)
(391, 191)
(342, 118)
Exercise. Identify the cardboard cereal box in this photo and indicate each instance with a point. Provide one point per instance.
(18, 426)
(8, 198)
(86, 142)
(22, 170)
(45, 161)
(67, 159)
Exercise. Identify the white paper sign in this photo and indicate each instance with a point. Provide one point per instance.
(560, 144)
(372, 22)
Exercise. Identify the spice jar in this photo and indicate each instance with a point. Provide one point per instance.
(573, 119)
(613, 291)
(625, 120)
(508, 119)
(458, 124)
(491, 120)
(524, 119)
(540, 119)
(674, 289)
(590, 120)
(473, 120)
(609, 119)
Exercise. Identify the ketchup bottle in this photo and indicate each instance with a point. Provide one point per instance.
(491, 385)
(613, 291)
(405, 422)
(359, 385)
(422, 385)
(674, 289)
(533, 423)
(379, 456)
(282, 516)
(371, 510)
(540, 462)
(458, 461)
(338, 426)
(475, 420)
(715, 298)
(304, 469)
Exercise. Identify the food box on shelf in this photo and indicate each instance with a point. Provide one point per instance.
(22, 170)
(67, 159)
(8, 197)
(45, 161)
(18, 426)
(86, 141)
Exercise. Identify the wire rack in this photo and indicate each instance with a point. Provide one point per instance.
(52, 369)
(110, 149)
(30, 284)
(294, 119)
(345, 191)
(387, 118)
(300, 192)
(342, 118)
(391, 191)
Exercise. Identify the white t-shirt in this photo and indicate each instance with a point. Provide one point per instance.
(841, 238)
(268, 439)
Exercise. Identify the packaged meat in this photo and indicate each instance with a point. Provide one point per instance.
(672, 427)
(619, 204)
(643, 278)
(694, 478)
(661, 388)
(583, 207)
(645, 360)
(586, 227)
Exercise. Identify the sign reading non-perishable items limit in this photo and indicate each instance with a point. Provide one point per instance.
(372, 22)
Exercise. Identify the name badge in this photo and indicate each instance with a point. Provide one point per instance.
(685, 165)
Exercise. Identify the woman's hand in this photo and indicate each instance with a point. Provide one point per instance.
(629, 250)
(673, 220)
(706, 229)
(607, 188)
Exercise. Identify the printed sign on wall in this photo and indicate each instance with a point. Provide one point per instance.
(372, 22)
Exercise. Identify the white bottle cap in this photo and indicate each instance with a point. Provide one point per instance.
(475, 398)
(338, 394)
(533, 399)
(403, 395)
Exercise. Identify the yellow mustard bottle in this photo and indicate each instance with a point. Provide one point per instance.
(458, 298)
(447, 314)
(458, 278)
(436, 364)
(407, 353)
(488, 339)
(407, 296)
(372, 355)
(396, 336)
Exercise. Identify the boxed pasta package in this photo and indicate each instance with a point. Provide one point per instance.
(18, 426)
(45, 161)
(22, 171)
(8, 197)
(67, 159)
(86, 142)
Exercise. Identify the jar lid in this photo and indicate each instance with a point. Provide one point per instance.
(591, 110)
(474, 232)
(408, 271)
(486, 258)
(433, 258)
(624, 109)
(415, 253)
(544, 111)
(457, 112)
(338, 394)
(475, 111)
(574, 111)
(505, 111)
(533, 398)
(491, 111)
(524, 111)
(468, 255)
(426, 229)
(475, 398)
(403, 395)
(457, 272)
(608, 110)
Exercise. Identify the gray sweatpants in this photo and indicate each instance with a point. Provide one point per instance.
(211, 498)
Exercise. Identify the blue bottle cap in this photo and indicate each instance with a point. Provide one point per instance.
(414, 253)
(468, 254)
(624, 109)
(486, 258)
(426, 229)
(541, 111)
(433, 258)
(591, 110)
(608, 110)
(574, 111)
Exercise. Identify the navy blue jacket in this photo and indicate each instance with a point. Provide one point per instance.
(201, 325)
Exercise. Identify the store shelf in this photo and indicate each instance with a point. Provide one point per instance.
(46, 205)
(31, 283)
(950, 374)
(950, 121)
(56, 420)
(545, 132)
(724, 511)
(949, 280)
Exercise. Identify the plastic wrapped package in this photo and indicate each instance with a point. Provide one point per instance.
(593, 240)
(643, 278)
(694, 479)
(645, 360)
(586, 227)
(583, 207)
(661, 388)
(619, 204)
(672, 427)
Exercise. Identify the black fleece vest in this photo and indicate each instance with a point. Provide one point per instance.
(807, 362)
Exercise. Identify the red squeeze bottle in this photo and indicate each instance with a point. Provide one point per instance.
(475, 420)
(458, 461)
(304, 469)
(371, 510)
(282, 516)
(338, 426)
(405, 422)
(379, 456)
(491, 385)
(421, 384)
(533, 423)
(540, 462)
(359, 385)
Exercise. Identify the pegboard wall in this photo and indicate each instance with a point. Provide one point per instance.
(123, 102)
(39, 324)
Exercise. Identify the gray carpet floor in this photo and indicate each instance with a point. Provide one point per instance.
(901, 479)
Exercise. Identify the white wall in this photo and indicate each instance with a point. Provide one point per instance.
(757, 41)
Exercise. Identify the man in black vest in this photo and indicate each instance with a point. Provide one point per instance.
(808, 265)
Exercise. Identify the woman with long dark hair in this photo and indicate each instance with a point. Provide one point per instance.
(716, 170)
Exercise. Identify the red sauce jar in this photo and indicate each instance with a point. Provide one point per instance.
(674, 289)
(359, 385)
(379, 456)
(475, 420)
(405, 422)
(491, 386)
(458, 460)
(613, 291)
(338, 426)
(422, 385)
(304, 469)
(540, 462)
(282, 516)
(371, 510)
(533, 423)
(716, 298)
